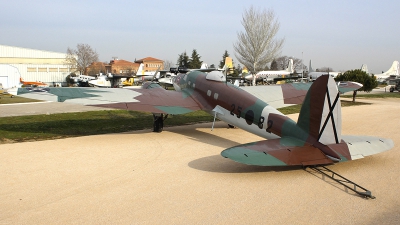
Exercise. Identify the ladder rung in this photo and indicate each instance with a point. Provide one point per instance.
(343, 181)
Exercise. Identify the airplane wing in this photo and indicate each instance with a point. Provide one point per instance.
(279, 96)
(155, 99)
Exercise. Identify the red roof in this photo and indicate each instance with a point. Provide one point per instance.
(147, 59)
(120, 61)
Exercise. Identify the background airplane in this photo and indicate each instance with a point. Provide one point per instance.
(168, 79)
(316, 138)
(34, 83)
(107, 81)
(312, 75)
(271, 75)
(393, 71)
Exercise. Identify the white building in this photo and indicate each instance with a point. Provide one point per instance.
(32, 65)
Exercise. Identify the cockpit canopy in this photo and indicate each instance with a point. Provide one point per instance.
(216, 76)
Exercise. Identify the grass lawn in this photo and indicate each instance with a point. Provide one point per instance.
(54, 126)
(383, 95)
(8, 99)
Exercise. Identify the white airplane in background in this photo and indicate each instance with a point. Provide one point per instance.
(167, 80)
(107, 81)
(146, 76)
(270, 75)
(393, 70)
(312, 75)
(82, 80)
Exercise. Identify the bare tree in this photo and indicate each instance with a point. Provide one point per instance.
(168, 64)
(81, 57)
(258, 46)
(324, 69)
(283, 61)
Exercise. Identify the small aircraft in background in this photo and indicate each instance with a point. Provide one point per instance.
(81, 80)
(32, 83)
(312, 75)
(108, 81)
(3, 91)
(271, 75)
(166, 80)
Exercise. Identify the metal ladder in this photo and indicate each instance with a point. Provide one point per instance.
(342, 180)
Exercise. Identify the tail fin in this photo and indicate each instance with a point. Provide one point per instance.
(228, 65)
(290, 66)
(364, 68)
(394, 69)
(310, 68)
(320, 114)
(140, 70)
(204, 66)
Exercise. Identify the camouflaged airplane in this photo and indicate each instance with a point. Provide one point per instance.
(316, 138)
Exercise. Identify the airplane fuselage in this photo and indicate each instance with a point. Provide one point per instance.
(233, 105)
(268, 75)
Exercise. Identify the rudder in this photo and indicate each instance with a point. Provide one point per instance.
(320, 114)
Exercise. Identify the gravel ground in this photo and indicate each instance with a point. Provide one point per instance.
(179, 177)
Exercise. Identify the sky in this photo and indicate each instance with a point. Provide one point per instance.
(341, 35)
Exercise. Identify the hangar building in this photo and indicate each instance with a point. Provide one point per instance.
(32, 65)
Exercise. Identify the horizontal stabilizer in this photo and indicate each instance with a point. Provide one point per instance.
(277, 152)
(362, 146)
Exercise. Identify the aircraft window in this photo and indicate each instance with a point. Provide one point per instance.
(194, 85)
(215, 96)
(216, 76)
(209, 93)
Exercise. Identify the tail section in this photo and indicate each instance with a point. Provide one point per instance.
(204, 66)
(394, 69)
(290, 67)
(310, 68)
(364, 68)
(318, 142)
(140, 71)
(228, 65)
(320, 114)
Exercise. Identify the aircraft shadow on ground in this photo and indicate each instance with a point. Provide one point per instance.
(192, 133)
(219, 164)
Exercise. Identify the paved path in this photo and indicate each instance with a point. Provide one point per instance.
(179, 177)
(34, 108)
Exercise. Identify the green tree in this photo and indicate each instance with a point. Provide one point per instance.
(183, 60)
(274, 65)
(237, 70)
(369, 82)
(194, 61)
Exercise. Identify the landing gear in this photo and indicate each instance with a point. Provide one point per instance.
(158, 123)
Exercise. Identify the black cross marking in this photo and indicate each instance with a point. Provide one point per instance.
(330, 115)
